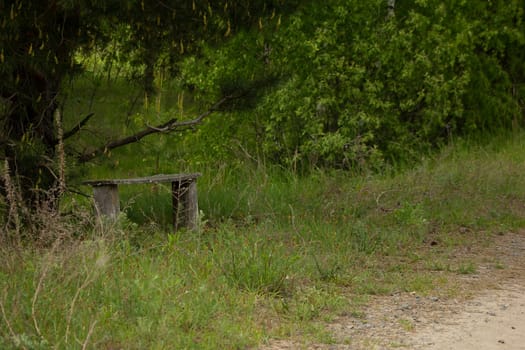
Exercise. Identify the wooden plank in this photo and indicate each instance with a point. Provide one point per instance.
(106, 200)
(191, 206)
(144, 180)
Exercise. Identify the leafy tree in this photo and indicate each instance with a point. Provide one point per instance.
(161, 33)
(364, 82)
(38, 42)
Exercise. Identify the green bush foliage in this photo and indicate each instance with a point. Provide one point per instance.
(354, 86)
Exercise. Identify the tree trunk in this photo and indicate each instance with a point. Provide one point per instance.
(391, 8)
(31, 137)
(150, 59)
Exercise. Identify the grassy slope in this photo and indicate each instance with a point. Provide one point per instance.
(278, 256)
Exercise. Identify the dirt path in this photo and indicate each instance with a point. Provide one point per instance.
(493, 320)
(485, 312)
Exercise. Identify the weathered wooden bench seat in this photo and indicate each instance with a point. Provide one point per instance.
(183, 189)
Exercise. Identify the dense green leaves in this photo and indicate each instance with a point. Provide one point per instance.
(358, 87)
(40, 40)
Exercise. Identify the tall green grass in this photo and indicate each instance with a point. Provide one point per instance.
(276, 255)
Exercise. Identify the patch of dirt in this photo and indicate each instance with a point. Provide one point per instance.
(480, 311)
(493, 320)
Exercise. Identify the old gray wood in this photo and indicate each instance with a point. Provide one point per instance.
(106, 200)
(183, 189)
(185, 204)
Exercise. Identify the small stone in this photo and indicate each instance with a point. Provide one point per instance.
(434, 298)
(405, 306)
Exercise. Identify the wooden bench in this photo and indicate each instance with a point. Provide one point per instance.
(183, 189)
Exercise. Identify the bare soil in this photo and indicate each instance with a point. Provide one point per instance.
(484, 310)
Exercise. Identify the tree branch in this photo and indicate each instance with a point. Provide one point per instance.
(169, 126)
(77, 127)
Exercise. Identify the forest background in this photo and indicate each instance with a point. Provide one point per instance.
(329, 135)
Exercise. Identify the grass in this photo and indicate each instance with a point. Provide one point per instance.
(407, 325)
(277, 254)
(290, 254)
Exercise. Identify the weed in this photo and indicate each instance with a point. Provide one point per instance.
(468, 268)
(407, 325)
(437, 266)
(327, 274)
(358, 314)
(254, 265)
(499, 266)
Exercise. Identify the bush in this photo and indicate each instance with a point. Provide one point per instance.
(357, 87)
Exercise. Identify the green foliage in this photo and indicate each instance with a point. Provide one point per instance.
(291, 253)
(251, 263)
(357, 88)
(39, 52)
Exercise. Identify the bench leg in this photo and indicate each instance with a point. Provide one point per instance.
(106, 200)
(191, 206)
(176, 190)
(185, 194)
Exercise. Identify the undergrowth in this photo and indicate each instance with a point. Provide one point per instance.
(276, 254)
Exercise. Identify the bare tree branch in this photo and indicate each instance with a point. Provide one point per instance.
(77, 127)
(169, 126)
